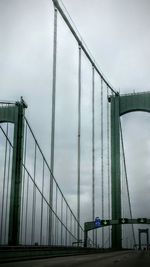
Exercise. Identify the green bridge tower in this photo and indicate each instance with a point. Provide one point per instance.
(14, 113)
(120, 105)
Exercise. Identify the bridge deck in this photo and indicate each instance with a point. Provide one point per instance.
(122, 259)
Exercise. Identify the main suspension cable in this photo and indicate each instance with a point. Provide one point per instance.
(82, 44)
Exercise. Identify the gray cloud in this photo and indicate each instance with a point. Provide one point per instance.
(117, 33)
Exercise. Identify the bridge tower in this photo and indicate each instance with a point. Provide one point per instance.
(120, 105)
(145, 231)
(14, 113)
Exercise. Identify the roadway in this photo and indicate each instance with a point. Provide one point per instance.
(118, 259)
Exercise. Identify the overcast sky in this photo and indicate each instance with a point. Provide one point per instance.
(117, 34)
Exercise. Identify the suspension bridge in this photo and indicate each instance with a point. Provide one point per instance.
(34, 211)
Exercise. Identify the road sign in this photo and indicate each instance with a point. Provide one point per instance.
(142, 220)
(123, 220)
(97, 222)
(105, 222)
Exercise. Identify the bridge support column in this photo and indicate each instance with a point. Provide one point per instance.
(16, 179)
(139, 239)
(85, 238)
(115, 172)
(14, 113)
(146, 231)
(121, 105)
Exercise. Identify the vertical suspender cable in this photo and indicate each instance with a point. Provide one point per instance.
(23, 183)
(7, 194)
(47, 225)
(126, 178)
(75, 228)
(4, 181)
(79, 143)
(93, 149)
(41, 228)
(26, 217)
(123, 196)
(123, 193)
(66, 224)
(102, 160)
(56, 220)
(61, 221)
(108, 162)
(53, 121)
(34, 200)
(70, 228)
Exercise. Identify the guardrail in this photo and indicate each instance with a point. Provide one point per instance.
(21, 253)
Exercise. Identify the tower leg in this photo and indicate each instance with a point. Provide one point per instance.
(16, 179)
(115, 172)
